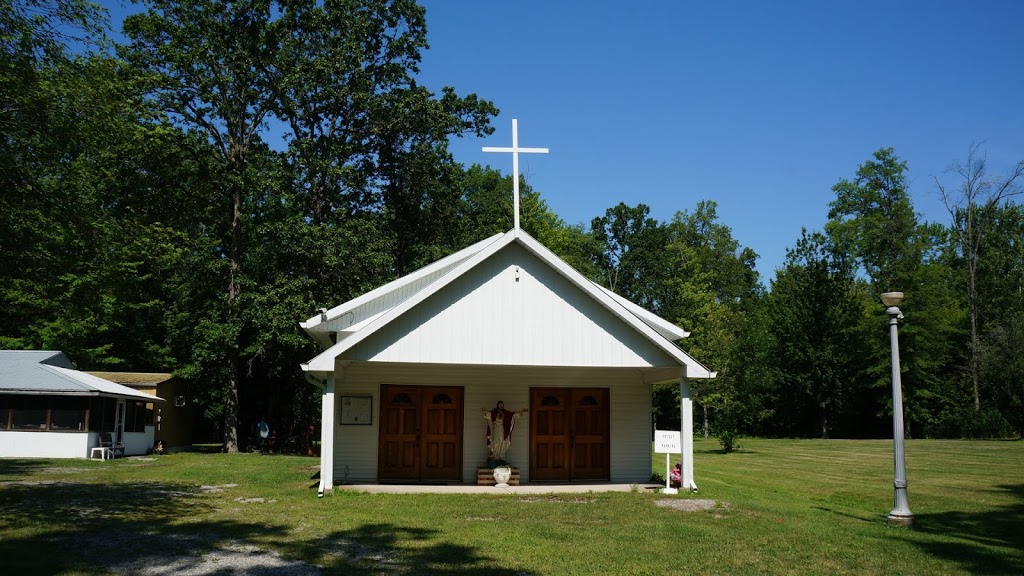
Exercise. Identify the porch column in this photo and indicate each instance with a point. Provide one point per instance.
(327, 410)
(686, 420)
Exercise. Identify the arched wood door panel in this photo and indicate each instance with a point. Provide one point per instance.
(420, 433)
(569, 434)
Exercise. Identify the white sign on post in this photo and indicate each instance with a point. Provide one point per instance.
(667, 442)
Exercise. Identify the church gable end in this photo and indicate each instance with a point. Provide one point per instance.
(512, 308)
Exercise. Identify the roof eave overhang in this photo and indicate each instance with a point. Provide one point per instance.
(80, 393)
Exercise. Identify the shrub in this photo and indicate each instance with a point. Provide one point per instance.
(964, 422)
(727, 438)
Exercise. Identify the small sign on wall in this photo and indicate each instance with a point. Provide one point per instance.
(357, 410)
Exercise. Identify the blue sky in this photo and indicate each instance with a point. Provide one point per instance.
(759, 106)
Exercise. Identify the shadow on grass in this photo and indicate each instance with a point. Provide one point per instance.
(387, 548)
(988, 542)
(722, 452)
(20, 468)
(870, 519)
(61, 527)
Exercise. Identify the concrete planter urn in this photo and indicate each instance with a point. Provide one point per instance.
(501, 476)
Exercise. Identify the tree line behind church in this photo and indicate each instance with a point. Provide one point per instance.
(152, 220)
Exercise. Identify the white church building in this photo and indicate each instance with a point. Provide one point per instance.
(408, 368)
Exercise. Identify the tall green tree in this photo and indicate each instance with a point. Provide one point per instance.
(872, 222)
(632, 260)
(94, 194)
(362, 135)
(1000, 285)
(711, 281)
(978, 197)
(208, 63)
(36, 74)
(815, 308)
(362, 140)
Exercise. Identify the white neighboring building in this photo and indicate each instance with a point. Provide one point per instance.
(408, 368)
(48, 409)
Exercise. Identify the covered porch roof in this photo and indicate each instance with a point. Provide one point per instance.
(51, 373)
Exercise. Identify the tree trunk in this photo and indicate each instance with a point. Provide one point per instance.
(231, 403)
(707, 428)
(233, 356)
(823, 420)
(973, 310)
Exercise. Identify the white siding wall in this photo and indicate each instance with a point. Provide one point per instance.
(630, 407)
(15, 444)
(630, 413)
(138, 443)
(489, 317)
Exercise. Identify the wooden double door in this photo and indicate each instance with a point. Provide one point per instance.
(420, 433)
(569, 434)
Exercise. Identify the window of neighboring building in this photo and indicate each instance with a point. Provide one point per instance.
(5, 411)
(29, 413)
(60, 413)
(101, 414)
(68, 413)
(136, 416)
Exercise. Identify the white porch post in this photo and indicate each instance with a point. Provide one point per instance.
(686, 423)
(327, 410)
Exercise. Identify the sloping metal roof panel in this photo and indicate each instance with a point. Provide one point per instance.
(51, 372)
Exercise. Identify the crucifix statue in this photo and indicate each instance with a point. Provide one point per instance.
(516, 151)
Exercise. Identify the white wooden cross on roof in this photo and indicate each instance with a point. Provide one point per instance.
(516, 151)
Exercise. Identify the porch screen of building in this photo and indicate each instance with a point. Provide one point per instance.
(43, 413)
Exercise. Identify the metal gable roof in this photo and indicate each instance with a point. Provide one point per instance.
(52, 373)
(653, 328)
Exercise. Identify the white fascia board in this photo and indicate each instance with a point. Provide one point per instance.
(363, 324)
(694, 369)
(664, 327)
(450, 260)
(319, 374)
(324, 362)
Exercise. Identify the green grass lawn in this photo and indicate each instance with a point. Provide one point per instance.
(785, 507)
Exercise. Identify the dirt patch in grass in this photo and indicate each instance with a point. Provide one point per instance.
(216, 489)
(381, 561)
(256, 500)
(229, 558)
(691, 504)
(63, 470)
(29, 483)
(557, 499)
